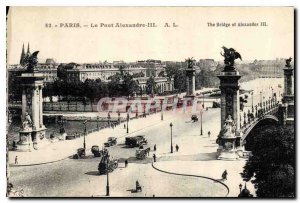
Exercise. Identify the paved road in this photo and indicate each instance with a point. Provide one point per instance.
(80, 177)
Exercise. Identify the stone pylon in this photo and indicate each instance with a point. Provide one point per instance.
(286, 111)
(190, 78)
(229, 137)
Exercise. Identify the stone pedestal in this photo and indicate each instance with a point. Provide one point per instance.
(228, 149)
(286, 111)
(32, 84)
(228, 139)
(25, 141)
(230, 99)
(190, 82)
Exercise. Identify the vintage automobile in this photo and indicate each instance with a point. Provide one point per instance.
(107, 165)
(110, 142)
(70, 137)
(142, 153)
(135, 141)
(194, 118)
(95, 150)
(80, 153)
(216, 104)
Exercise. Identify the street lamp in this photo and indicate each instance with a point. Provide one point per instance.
(201, 130)
(98, 123)
(127, 119)
(107, 172)
(84, 134)
(161, 109)
(272, 92)
(260, 99)
(119, 116)
(252, 102)
(108, 118)
(202, 101)
(171, 125)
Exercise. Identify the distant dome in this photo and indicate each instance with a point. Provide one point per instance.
(50, 61)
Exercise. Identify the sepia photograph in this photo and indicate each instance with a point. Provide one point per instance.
(150, 102)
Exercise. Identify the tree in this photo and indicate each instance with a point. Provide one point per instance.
(130, 86)
(177, 71)
(151, 87)
(273, 162)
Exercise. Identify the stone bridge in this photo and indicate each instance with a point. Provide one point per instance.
(269, 112)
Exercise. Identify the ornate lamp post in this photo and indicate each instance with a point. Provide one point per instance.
(161, 109)
(84, 134)
(107, 176)
(203, 100)
(249, 116)
(119, 116)
(171, 125)
(252, 102)
(108, 118)
(255, 110)
(127, 119)
(98, 123)
(272, 92)
(260, 99)
(241, 120)
(201, 130)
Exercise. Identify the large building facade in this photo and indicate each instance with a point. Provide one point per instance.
(140, 70)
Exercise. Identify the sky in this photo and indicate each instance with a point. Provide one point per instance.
(191, 38)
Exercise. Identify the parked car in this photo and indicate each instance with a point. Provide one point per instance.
(216, 104)
(110, 142)
(80, 153)
(136, 141)
(70, 137)
(194, 118)
(95, 150)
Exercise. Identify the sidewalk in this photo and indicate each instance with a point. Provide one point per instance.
(197, 156)
(56, 151)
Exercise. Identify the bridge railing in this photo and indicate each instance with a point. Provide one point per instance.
(256, 119)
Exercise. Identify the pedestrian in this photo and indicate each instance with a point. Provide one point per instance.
(154, 147)
(154, 157)
(224, 175)
(208, 133)
(177, 148)
(148, 151)
(124, 126)
(16, 160)
(126, 163)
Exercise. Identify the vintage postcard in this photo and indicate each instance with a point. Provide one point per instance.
(150, 102)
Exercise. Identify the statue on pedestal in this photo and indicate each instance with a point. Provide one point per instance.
(288, 62)
(27, 122)
(230, 55)
(229, 128)
(31, 61)
(190, 63)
